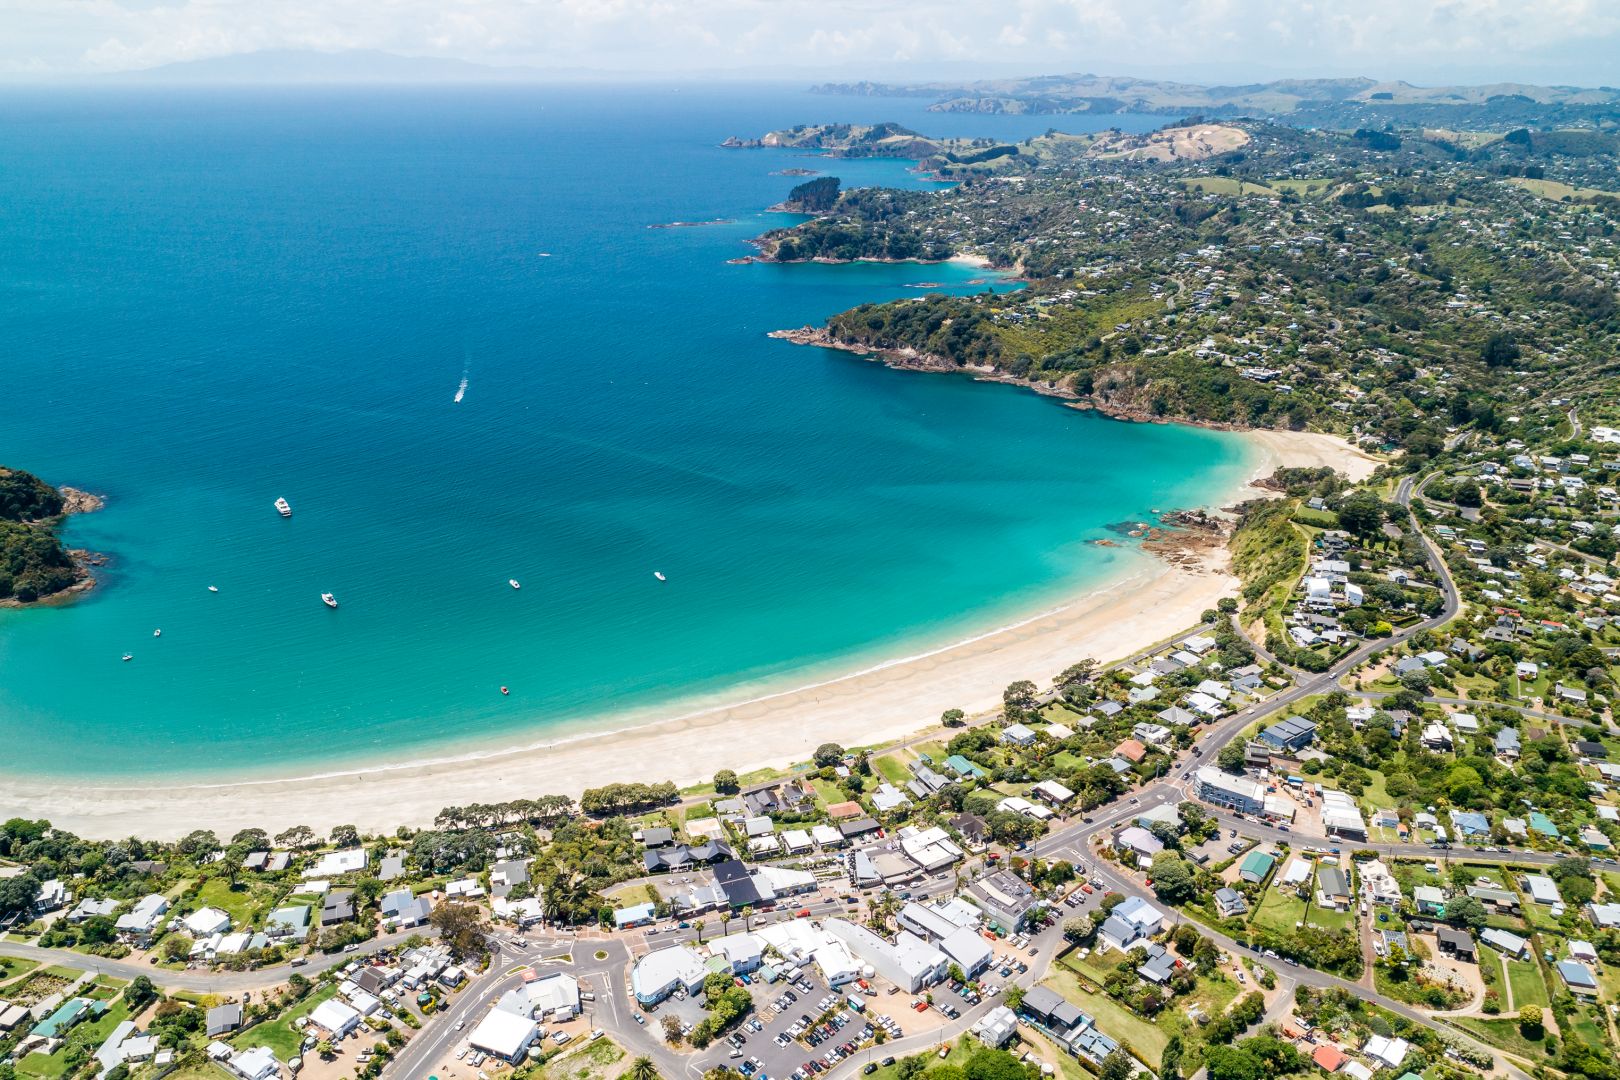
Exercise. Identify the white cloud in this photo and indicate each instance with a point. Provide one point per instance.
(1416, 39)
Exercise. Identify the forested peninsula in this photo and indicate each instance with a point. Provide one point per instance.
(1389, 285)
(34, 564)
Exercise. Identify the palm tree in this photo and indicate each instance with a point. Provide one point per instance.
(697, 924)
(747, 914)
(643, 1069)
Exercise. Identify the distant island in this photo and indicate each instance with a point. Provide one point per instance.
(34, 564)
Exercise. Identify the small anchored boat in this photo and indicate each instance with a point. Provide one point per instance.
(504, 690)
(659, 574)
(128, 657)
(213, 588)
(328, 599)
(514, 583)
(157, 633)
(283, 508)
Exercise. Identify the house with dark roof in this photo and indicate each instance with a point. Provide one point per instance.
(337, 907)
(1455, 942)
(735, 881)
(1051, 1010)
(1294, 733)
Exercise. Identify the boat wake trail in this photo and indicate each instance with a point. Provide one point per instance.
(461, 390)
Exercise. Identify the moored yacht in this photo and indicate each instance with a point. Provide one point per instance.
(328, 599)
(283, 507)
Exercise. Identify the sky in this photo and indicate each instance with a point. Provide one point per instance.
(1423, 41)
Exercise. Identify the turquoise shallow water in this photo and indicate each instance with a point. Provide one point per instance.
(210, 300)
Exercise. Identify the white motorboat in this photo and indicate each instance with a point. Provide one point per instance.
(514, 583)
(283, 508)
(659, 574)
(328, 599)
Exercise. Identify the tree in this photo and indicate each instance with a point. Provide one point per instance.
(1117, 1066)
(1076, 674)
(1231, 758)
(1499, 350)
(18, 893)
(952, 717)
(345, 836)
(139, 994)
(643, 1069)
(1019, 697)
(1170, 1059)
(1076, 928)
(698, 924)
(462, 927)
(198, 842)
(97, 930)
(324, 1049)
(1361, 512)
(299, 836)
(828, 753)
(725, 782)
(1530, 1022)
(1172, 878)
(672, 1028)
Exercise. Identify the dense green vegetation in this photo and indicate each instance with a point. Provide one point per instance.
(33, 562)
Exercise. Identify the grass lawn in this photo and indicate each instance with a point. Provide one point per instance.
(891, 769)
(1329, 918)
(278, 1034)
(204, 1071)
(630, 895)
(1060, 713)
(1588, 1028)
(1226, 185)
(597, 1060)
(1553, 189)
(1279, 911)
(1502, 1033)
(1528, 987)
(11, 968)
(1146, 1038)
(1067, 761)
(1303, 187)
(242, 902)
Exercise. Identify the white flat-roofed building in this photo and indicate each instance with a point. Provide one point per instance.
(335, 1018)
(336, 863)
(1235, 792)
(908, 962)
(1053, 792)
(660, 973)
(504, 1035)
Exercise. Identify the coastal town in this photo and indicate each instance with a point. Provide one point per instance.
(1358, 816)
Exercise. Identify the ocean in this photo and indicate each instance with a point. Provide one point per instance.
(209, 299)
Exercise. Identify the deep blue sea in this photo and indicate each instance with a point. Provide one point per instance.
(212, 298)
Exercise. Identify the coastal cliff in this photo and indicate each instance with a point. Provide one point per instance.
(34, 564)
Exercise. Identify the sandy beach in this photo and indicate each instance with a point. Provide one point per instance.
(1151, 601)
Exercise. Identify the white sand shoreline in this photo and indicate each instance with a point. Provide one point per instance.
(879, 704)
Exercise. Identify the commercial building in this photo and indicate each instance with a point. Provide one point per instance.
(504, 1035)
(1007, 899)
(908, 962)
(1234, 792)
(659, 974)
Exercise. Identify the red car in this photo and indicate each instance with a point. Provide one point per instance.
(804, 913)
